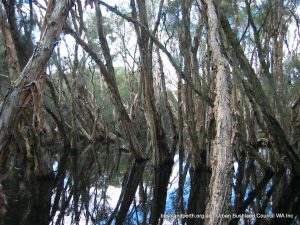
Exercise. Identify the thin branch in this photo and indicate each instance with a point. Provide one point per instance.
(163, 49)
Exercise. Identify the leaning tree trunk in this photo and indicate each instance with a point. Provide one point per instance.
(110, 78)
(32, 206)
(33, 70)
(221, 162)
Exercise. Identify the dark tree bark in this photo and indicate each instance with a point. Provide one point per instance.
(134, 179)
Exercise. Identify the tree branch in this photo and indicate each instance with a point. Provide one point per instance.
(163, 49)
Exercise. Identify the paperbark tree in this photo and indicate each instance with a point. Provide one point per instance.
(79, 111)
(29, 85)
(257, 96)
(34, 70)
(12, 58)
(110, 79)
(189, 49)
(159, 144)
(285, 156)
(162, 159)
(222, 157)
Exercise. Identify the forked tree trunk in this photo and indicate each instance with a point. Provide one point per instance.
(32, 71)
(221, 162)
(160, 148)
(110, 78)
(27, 208)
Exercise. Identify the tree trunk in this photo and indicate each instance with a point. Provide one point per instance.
(33, 205)
(161, 180)
(257, 97)
(134, 179)
(33, 70)
(159, 144)
(109, 77)
(221, 161)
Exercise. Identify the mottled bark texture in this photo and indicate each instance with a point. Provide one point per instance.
(159, 145)
(221, 161)
(32, 71)
(11, 53)
(33, 205)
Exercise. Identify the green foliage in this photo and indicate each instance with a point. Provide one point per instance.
(110, 25)
(123, 83)
(292, 73)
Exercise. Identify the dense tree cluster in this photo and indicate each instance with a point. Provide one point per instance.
(186, 107)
